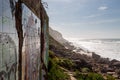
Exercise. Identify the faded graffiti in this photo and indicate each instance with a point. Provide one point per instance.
(8, 61)
(31, 47)
(22, 35)
(8, 43)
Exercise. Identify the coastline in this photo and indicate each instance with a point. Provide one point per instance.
(101, 65)
(107, 49)
(92, 63)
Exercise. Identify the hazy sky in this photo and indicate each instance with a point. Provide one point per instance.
(85, 18)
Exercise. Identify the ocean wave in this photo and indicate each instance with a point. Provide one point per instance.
(102, 41)
(104, 47)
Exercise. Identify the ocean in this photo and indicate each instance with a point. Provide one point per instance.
(107, 48)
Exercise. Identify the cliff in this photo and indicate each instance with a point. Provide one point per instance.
(57, 36)
(83, 63)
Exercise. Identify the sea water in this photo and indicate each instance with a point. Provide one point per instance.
(108, 48)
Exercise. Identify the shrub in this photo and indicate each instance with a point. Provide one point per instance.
(89, 76)
(110, 77)
(66, 63)
(54, 71)
(85, 70)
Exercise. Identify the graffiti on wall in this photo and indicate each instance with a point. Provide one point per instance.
(8, 42)
(31, 45)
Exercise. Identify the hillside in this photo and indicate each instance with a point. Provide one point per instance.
(57, 36)
(82, 65)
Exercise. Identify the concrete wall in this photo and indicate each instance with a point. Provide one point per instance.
(23, 40)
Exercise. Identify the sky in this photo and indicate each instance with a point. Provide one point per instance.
(85, 18)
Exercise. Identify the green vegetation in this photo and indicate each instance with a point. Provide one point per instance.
(85, 70)
(110, 77)
(66, 63)
(88, 76)
(54, 71)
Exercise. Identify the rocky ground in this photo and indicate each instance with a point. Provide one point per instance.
(95, 63)
(83, 59)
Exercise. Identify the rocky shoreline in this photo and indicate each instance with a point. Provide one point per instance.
(85, 59)
(96, 63)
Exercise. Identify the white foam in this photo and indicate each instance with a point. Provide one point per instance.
(108, 48)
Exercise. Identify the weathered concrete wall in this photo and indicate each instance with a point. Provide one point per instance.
(23, 40)
(31, 45)
(8, 42)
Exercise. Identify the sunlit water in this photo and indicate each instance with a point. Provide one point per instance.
(108, 48)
